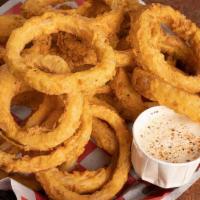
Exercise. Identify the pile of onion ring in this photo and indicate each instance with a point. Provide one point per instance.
(69, 75)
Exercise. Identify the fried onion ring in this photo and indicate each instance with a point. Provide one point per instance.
(89, 181)
(55, 188)
(129, 98)
(69, 151)
(60, 83)
(35, 138)
(144, 39)
(154, 88)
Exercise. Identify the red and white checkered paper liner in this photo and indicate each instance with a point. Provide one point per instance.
(93, 158)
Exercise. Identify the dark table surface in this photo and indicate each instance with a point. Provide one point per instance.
(2, 2)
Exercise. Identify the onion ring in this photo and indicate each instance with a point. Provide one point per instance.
(55, 188)
(153, 87)
(143, 38)
(34, 138)
(89, 181)
(129, 98)
(56, 83)
(63, 153)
